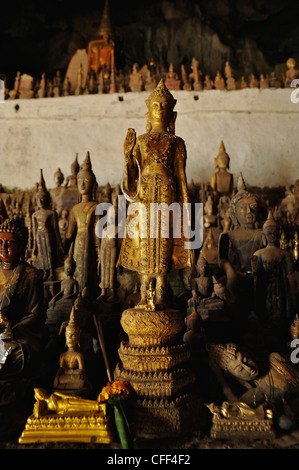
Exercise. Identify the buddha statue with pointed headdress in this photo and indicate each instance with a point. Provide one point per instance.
(81, 229)
(155, 174)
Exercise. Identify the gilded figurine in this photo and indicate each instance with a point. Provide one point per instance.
(222, 181)
(71, 377)
(161, 158)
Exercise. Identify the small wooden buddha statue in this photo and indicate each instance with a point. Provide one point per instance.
(222, 180)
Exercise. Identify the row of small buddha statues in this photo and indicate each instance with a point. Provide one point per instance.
(146, 78)
(237, 294)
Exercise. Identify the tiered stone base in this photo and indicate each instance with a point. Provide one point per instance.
(155, 362)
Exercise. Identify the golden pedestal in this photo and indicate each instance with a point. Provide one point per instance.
(155, 363)
(86, 427)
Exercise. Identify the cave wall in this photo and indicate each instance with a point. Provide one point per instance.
(258, 127)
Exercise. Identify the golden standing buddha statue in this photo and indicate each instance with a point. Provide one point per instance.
(160, 157)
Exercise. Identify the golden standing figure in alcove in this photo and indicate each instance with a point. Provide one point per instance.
(155, 173)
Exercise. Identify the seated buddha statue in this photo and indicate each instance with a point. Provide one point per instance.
(71, 377)
(222, 181)
(21, 304)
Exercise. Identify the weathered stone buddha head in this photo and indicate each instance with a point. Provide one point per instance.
(271, 231)
(86, 179)
(244, 207)
(43, 197)
(233, 360)
(222, 160)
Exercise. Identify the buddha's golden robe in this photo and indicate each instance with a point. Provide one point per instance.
(160, 157)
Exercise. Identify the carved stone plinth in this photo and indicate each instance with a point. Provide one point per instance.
(156, 384)
(224, 428)
(166, 418)
(155, 363)
(85, 427)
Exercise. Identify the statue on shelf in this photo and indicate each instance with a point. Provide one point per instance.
(273, 81)
(14, 94)
(208, 296)
(209, 218)
(22, 328)
(108, 258)
(208, 83)
(56, 192)
(219, 81)
(222, 181)
(186, 84)
(292, 73)
(241, 377)
(147, 78)
(136, 81)
(71, 180)
(172, 81)
(210, 249)
(273, 270)
(230, 81)
(41, 92)
(79, 87)
(69, 286)
(57, 85)
(253, 81)
(71, 377)
(81, 229)
(66, 87)
(264, 81)
(58, 178)
(46, 237)
(237, 246)
(63, 224)
(202, 284)
(161, 157)
(195, 75)
(243, 83)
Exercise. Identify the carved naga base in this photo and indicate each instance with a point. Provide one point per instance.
(155, 362)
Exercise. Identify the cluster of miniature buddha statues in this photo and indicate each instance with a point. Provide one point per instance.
(238, 292)
(100, 80)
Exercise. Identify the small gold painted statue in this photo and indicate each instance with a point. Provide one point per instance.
(222, 181)
(160, 158)
(292, 73)
(71, 377)
(150, 305)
